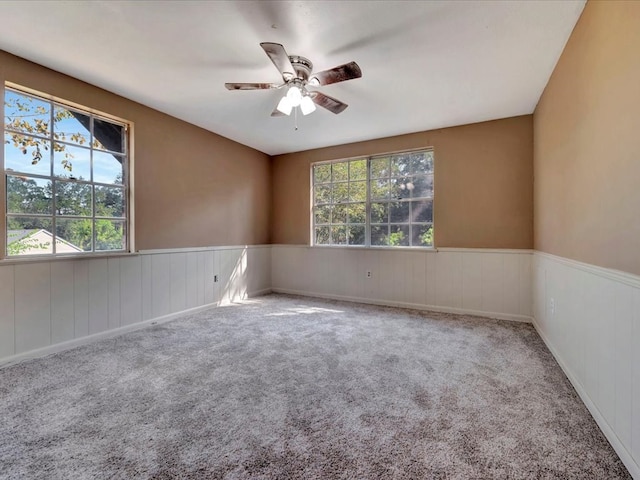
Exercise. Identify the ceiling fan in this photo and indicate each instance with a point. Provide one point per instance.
(297, 74)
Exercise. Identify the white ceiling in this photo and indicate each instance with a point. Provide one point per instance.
(425, 64)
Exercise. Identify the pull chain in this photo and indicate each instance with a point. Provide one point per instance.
(295, 116)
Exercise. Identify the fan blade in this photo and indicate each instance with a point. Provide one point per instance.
(348, 71)
(250, 86)
(325, 101)
(277, 113)
(280, 59)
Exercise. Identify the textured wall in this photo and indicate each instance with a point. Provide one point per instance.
(586, 143)
(192, 187)
(483, 183)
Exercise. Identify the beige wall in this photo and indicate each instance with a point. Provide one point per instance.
(483, 183)
(587, 143)
(192, 187)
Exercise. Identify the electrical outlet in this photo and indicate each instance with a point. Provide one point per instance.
(552, 306)
(368, 273)
(215, 278)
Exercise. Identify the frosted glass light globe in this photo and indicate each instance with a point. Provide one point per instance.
(294, 95)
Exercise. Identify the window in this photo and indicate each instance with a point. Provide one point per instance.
(66, 177)
(384, 200)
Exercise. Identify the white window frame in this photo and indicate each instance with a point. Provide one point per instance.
(127, 180)
(370, 201)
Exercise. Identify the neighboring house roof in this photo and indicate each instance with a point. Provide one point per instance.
(17, 235)
(41, 237)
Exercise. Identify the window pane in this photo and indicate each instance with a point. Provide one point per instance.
(71, 126)
(358, 213)
(422, 186)
(340, 192)
(74, 235)
(322, 173)
(399, 212)
(71, 162)
(110, 235)
(379, 235)
(23, 153)
(322, 194)
(400, 188)
(26, 114)
(379, 212)
(323, 214)
(107, 168)
(399, 235)
(108, 136)
(422, 162)
(422, 211)
(400, 165)
(339, 214)
(73, 199)
(322, 236)
(29, 236)
(422, 235)
(358, 170)
(379, 189)
(358, 192)
(380, 167)
(109, 201)
(356, 234)
(340, 171)
(29, 195)
(339, 235)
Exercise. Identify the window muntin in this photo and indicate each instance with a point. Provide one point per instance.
(66, 177)
(385, 200)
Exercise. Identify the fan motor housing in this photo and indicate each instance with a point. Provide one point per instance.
(302, 66)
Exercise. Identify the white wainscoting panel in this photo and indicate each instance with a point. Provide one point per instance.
(178, 282)
(49, 305)
(98, 295)
(131, 296)
(589, 317)
(32, 299)
(113, 294)
(494, 283)
(7, 321)
(81, 298)
(62, 305)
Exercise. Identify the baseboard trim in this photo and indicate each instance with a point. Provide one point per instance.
(415, 306)
(613, 439)
(260, 293)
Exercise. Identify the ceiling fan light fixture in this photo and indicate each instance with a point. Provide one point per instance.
(307, 106)
(294, 95)
(285, 105)
(296, 73)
